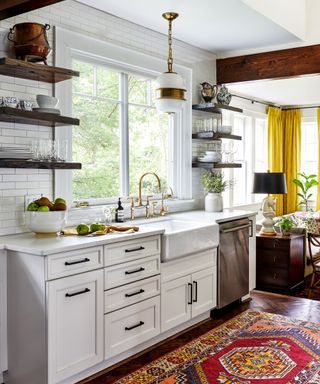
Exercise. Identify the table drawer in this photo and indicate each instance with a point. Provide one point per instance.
(273, 243)
(70, 263)
(273, 258)
(129, 294)
(132, 271)
(131, 250)
(131, 326)
(273, 277)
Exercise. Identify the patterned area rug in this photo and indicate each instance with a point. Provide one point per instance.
(254, 347)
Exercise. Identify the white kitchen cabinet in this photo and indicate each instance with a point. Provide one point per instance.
(175, 309)
(75, 324)
(188, 289)
(204, 291)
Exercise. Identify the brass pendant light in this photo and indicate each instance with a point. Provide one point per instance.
(171, 90)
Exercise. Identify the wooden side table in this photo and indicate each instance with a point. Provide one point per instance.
(280, 262)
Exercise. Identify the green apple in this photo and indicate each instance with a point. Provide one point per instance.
(59, 200)
(95, 227)
(43, 208)
(83, 229)
(32, 207)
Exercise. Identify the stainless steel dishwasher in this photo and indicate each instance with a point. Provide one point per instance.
(233, 260)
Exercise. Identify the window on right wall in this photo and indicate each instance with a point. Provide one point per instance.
(309, 151)
(251, 152)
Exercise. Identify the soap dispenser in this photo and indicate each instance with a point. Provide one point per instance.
(119, 212)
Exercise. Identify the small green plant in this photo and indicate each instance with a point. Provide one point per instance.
(214, 182)
(286, 223)
(305, 183)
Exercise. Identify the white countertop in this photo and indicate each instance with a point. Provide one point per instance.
(217, 217)
(31, 243)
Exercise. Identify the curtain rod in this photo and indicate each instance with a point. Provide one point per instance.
(274, 105)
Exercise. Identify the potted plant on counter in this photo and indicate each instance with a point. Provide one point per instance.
(214, 184)
(285, 224)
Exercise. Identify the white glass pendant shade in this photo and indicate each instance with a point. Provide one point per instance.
(170, 92)
(171, 89)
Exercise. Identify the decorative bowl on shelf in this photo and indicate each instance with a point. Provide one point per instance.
(45, 101)
(49, 223)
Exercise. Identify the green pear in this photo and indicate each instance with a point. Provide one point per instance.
(82, 229)
(43, 208)
(95, 227)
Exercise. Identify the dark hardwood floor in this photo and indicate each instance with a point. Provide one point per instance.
(296, 307)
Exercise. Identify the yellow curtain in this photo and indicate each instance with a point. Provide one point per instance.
(291, 122)
(275, 149)
(318, 192)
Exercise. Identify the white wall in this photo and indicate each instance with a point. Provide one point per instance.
(16, 183)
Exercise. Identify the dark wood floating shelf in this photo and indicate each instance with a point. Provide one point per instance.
(10, 8)
(214, 136)
(215, 107)
(18, 163)
(31, 117)
(32, 71)
(198, 164)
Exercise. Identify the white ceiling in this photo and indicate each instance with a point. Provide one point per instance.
(297, 91)
(222, 26)
(214, 25)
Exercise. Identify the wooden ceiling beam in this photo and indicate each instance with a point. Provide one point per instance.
(9, 8)
(286, 63)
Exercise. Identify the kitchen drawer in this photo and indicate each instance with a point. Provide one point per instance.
(273, 243)
(131, 250)
(132, 271)
(129, 294)
(272, 277)
(273, 258)
(70, 263)
(131, 326)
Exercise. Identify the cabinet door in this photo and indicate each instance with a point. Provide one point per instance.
(176, 302)
(204, 291)
(75, 324)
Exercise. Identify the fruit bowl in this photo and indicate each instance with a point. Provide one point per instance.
(46, 222)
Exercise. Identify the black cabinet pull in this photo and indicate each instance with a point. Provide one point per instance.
(134, 326)
(77, 262)
(134, 293)
(135, 271)
(251, 228)
(134, 249)
(78, 293)
(195, 284)
(189, 293)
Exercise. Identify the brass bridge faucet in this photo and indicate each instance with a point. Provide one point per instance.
(140, 185)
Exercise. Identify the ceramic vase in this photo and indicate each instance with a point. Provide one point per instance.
(213, 202)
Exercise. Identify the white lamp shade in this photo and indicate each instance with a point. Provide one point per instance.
(170, 92)
(170, 80)
(169, 105)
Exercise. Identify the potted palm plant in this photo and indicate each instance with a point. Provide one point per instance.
(214, 184)
(305, 183)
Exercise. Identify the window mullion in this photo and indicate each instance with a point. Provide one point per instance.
(124, 136)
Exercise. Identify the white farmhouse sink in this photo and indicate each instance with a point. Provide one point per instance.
(183, 238)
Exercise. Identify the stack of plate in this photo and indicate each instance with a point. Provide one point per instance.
(15, 153)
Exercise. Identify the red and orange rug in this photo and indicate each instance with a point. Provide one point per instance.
(251, 348)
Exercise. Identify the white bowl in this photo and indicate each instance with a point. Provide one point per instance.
(46, 222)
(45, 101)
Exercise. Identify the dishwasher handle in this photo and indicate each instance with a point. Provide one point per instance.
(233, 229)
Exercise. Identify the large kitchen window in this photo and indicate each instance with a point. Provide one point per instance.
(309, 150)
(121, 135)
(250, 152)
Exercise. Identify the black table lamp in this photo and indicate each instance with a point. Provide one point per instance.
(270, 183)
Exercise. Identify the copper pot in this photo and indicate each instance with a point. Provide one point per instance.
(30, 41)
